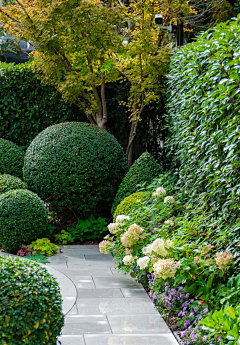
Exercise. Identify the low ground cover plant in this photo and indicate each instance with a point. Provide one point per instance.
(44, 247)
(89, 229)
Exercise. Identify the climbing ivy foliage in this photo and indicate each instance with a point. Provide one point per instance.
(204, 119)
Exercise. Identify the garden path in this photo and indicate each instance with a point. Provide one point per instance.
(108, 308)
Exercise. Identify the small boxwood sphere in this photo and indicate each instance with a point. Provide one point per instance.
(23, 218)
(8, 182)
(143, 171)
(11, 158)
(132, 203)
(30, 304)
(74, 166)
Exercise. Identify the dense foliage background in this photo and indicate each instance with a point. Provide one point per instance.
(203, 120)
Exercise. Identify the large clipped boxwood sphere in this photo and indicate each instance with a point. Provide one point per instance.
(8, 182)
(74, 166)
(23, 218)
(11, 158)
(142, 172)
(30, 304)
(132, 203)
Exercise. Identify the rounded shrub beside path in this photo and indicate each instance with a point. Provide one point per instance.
(23, 218)
(8, 182)
(142, 172)
(132, 203)
(11, 158)
(30, 304)
(75, 167)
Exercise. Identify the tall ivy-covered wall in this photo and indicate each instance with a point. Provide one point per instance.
(204, 119)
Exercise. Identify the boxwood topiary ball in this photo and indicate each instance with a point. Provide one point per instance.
(30, 304)
(132, 203)
(8, 182)
(23, 218)
(143, 171)
(74, 166)
(11, 158)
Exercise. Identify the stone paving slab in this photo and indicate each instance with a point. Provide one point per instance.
(114, 306)
(71, 340)
(111, 308)
(138, 324)
(125, 339)
(100, 293)
(79, 324)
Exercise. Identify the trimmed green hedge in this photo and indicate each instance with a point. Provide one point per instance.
(204, 120)
(11, 158)
(31, 304)
(76, 167)
(142, 172)
(8, 182)
(28, 106)
(23, 218)
(132, 203)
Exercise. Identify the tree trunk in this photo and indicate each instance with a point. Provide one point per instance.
(129, 152)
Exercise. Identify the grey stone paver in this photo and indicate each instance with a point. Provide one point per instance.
(110, 308)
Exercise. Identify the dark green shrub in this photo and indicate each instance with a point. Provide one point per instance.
(23, 218)
(204, 106)
(142, 172)
(132, 203)
(74, 166)
(31, 304)
(28, 106)
(8, 182)
(11, 158)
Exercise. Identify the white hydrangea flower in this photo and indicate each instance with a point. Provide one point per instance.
(159, 247)
(103, 247)
(160, 191)
(106, 237)
(128, 260)
(121, 218)
(147, 250)
(169, 222)
(165, 268)
(143, 262)
(169, 244)
(169, 199)
(132, 235)
(113, 228)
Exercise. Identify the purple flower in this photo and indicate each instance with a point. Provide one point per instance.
(191, 314)
(204, 338)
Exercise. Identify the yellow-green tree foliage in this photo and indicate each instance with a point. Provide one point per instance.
(79, 48)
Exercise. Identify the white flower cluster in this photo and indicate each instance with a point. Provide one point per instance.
(159, 246)
(165, 268)
(132, 235)
(169, 199)
(223, 260)
(103, 247)
(143, 262)
(114, 227)
(160, 191)
(128, 260)
(169, 222)
(121, 218)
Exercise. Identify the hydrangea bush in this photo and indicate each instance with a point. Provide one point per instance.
(186, 274)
